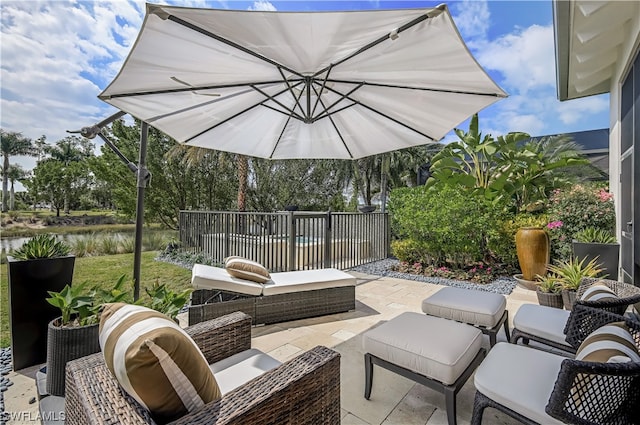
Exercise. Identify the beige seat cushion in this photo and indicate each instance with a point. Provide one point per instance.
(241, 368)
(307, 280)
(437, 348)
(466, 305)
(545, 322)
(520, 378)
(216, 278)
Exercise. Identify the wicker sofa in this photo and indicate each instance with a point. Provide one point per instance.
(304, 390)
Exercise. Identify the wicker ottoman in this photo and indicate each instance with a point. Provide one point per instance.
(440, 354)
(484, 310)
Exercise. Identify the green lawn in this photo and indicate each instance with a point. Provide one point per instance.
(104, 271)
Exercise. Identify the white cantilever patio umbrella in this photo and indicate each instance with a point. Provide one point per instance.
(284, 85)
(301, 84)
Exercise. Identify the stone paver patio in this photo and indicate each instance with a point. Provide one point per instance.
(394, 399)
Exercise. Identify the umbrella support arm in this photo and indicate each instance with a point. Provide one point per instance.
(143, 178)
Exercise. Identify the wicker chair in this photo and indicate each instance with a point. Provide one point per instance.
(303, 390)
(564, 330)
(527, 393)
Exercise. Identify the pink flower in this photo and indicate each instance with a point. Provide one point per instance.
(554, 225)
(604, 195)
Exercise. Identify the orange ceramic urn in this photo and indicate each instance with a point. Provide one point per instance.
(532, 245)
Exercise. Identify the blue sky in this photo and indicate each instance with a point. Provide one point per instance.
(57, 56)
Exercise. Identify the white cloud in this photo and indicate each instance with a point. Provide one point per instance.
(525, 58)
(263, 5)
(472, 17)
(573, 111)
(51, 52)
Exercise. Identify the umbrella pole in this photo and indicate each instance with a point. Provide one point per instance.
(143, 178)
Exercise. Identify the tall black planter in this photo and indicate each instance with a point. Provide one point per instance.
(65, 344)
(29, 312)
(608, 255)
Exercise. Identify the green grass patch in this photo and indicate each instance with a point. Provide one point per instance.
(24, 232)
(104, 271)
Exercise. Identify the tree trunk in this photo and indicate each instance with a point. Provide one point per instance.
(5, 182)
(12, 199)
(383, 182)
(243, 176)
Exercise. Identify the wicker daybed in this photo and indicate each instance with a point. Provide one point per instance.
(287, 296)
(303, 390)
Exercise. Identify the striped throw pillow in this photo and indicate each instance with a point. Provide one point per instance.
(598, 292)
(243, 268)
(155, 361)
(609, 343)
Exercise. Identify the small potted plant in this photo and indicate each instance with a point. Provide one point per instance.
(41, 264)
(549, 291)
(167, 301)
(75, 333)
(591, 243)
(570, 274)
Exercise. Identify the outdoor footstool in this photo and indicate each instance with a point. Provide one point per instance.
(438, 353)
(484, 310)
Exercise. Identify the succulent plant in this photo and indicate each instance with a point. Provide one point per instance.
(41, 246)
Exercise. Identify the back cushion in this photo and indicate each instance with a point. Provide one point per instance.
(155, 361)
(598, 292)
(609, 343)
(243, 268)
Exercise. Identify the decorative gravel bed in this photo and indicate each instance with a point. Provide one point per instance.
(503, 285)
(5, 383)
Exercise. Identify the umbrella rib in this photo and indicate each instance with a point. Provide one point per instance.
(395, 86)
(186, 89)
(324, 83)
(328, 114)
(345, 95)
(291, 90)
(279, 137)
(231, 117)
(374, 43)
(269, 97)
(337, 131)
(230, 43)
(283, 112)
(383, 114)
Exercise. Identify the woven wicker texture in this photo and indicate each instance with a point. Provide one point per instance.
(627, 294)
(609, 393)
(275, 308)
(305, 390)
(587, 393)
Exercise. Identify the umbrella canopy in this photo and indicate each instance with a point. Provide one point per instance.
(284, 85)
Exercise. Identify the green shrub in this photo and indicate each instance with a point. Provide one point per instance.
(410, 251)
(452, 224)
(576, 209)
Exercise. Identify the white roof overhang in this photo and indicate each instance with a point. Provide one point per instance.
(589, 38)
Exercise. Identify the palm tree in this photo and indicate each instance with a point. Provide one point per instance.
(15, 173)
(68, 150)
(12, 143)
